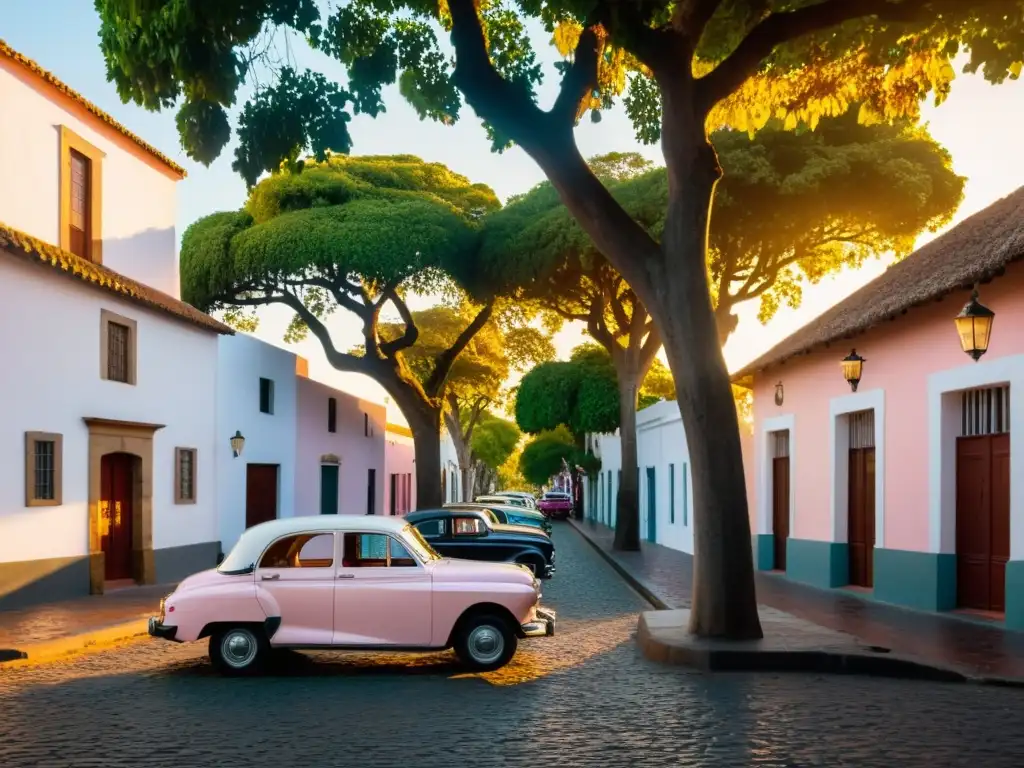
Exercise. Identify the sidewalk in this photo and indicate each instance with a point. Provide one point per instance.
(48, 631)
(665, 576)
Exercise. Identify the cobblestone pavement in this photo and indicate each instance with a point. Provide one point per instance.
(582, 698)
(979, 647)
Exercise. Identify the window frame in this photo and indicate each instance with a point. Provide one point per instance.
(106, 318)
(31, 438)
(270, 396)
(332, 414)
(389, 538)
(71, 141)
(178, 497)
(294, 535)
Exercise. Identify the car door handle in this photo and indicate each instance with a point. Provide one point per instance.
(346, 575)
(270, 576)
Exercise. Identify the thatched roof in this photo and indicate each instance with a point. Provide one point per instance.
(976, 250)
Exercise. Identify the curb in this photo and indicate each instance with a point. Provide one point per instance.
(86, 642)
(639, 585)
(798, 661)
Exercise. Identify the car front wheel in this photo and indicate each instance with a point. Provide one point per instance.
(485, 642)
(239, 650)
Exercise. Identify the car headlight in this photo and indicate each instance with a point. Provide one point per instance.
(163, 606)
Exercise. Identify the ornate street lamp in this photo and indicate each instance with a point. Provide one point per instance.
(779, 394)
(853, 367)
(974, 326)
(237, 444)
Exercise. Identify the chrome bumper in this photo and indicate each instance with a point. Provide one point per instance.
(163, 631)
(542, 626)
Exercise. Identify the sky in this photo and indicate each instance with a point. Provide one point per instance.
(979, 124)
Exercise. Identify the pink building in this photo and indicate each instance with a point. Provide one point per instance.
(339, 452)
(902, 487)
(400, 460)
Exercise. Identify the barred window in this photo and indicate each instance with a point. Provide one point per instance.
(185, 475)
(43, 469)
(118, 347)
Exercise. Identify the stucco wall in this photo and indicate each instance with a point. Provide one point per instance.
(269, 438)
(357, 451)
(400, 459)
(138, 200)
(900, 356)
(450, 466)
(51, 380)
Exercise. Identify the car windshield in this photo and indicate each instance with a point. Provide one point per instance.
(419, 545)
(241, 558)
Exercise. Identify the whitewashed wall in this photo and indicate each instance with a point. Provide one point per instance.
(139, 200)
(269, 438)
(450, 466)
(50, 380)
(661, 444)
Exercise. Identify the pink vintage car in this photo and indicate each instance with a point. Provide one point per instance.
(351, 583)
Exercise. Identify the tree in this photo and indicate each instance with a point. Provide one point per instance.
(355, 233)
(546, 454)
(494, 442)
(679, 67)
(504, 344)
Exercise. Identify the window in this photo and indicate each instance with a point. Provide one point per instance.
(332, 414)
(371, 491)
(468, 526)
(81, 185)
(43, 469)
(118, 347)
(303, 550)
(185, 475)
(266, 396)
(366, 425)
(375, 550)
(686, 499)
(431, 529)
(671, 493)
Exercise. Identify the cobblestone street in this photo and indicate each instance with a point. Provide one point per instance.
(583, 698)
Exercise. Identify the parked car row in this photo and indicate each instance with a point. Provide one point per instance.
(555, 504)
(464, 577)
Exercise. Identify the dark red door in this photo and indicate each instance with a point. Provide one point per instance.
(861, 516)
(260, 494)
(780, 509)
(982, 521)
(116, 492)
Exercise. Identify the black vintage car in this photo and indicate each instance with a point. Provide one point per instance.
(471, 534)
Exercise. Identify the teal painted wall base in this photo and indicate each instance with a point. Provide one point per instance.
(922, 580)
(822, 564)
(1015, 594)
(764, 551)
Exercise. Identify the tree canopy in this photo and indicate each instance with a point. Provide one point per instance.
(580, 393)
(495, 440)
(543, 456)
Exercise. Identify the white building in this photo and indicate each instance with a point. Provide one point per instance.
(107, 421)
(666, 485)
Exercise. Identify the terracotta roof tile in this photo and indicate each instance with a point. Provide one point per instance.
(976, 250)
(20, 245)
(58, 84)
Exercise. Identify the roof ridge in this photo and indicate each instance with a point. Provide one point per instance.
(106, 117)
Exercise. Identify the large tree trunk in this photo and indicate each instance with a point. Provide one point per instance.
(464, 453)
(627, 502)
(724, 600)
(425, 423)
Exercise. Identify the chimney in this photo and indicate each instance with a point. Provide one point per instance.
(301, 367)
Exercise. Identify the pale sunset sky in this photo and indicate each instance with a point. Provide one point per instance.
(979, 124)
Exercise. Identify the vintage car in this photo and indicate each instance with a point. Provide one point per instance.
(555, 504)
(513, 501)
(342, 582)
(472, 534)
(529, 498)
(508, 515)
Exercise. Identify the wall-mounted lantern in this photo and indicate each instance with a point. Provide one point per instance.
(974, 326)
(779, 394)
(853, 367)
(237, 444)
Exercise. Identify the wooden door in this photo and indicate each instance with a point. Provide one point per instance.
(652, 507)
(861, 516)
(260, 494)
(116, 496)
(329, 489)
(780, 509)
(982, 521)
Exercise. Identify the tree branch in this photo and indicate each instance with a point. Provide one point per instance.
(597, 329)
(648, 352)
(580, 80)
(692, 16)
(343, 361)
(408, 338)
(780, 28)
(446, 359)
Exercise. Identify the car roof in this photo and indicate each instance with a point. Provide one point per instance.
(511, 508)
(426, 514)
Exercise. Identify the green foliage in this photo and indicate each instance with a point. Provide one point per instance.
(542, 457)
(494, 440)
(378, 221)
(792, 208)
